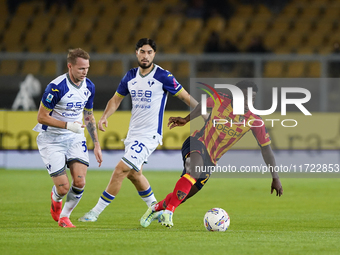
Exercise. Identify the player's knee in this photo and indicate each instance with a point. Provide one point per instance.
(133, 176)
(79, 183)
(62, 189)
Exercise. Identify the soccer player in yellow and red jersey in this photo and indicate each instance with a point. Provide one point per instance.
(206, 146)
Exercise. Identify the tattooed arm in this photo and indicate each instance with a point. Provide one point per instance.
(90, 123)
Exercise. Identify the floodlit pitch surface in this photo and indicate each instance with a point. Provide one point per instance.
(305, 220)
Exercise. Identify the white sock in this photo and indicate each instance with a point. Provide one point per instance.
(104, 200)
(72, 199)
(147, 196)
(55, 196)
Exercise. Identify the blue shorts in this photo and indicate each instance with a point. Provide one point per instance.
(190, 145)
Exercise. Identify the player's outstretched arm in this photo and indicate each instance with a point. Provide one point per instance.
(186, 98)
(179, 121)
(90, 123)
(269, 159)
(111, 106)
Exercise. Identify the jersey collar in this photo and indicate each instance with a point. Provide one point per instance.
(72, 83)
(147, 73)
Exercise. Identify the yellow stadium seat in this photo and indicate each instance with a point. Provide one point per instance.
(263, 12)
(34, 37)
(155, 9)
(306, 50)
(216, 24)
(290, 11)
(280, 25)
(98, 67)
(26, 9)
(237, 24)
(258, 26)
(116, 69)
(105, 24)
(296, 69)
(310, 12)
(192, 25)
(302, 25)
(167, 65)
(55, 38)
(315, 40)
(332, 11)
(31, 67)
(273, 69)
(99, 38)
(90, 9)
(244, 10)
(107, 49)
(164, 37)
(9, 67)
(272, 40)
(314, 69)
(83, 24)
(183, 69)
(172, 23)
(41, 22)
(294, 39)
(49, 68)
(149, 24)
(172, 49)
(194, 49)
(186, 38)
(133, 10)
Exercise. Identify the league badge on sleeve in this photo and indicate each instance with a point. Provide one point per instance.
(49, 98)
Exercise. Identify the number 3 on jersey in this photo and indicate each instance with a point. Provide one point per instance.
(137, 147)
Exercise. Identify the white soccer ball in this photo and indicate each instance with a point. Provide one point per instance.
(216, 219)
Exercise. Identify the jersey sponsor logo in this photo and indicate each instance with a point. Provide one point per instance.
(72, 114)
(49, 98)
(70, 95)
(55, 90)
(133, 83)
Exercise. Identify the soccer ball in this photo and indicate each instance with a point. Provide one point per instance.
(216, 219)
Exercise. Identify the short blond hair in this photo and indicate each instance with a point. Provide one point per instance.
(73, 54)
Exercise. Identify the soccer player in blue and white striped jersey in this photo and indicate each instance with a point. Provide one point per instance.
(148, 86)
(61, 140)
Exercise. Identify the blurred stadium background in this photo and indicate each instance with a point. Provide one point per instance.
(299, 41)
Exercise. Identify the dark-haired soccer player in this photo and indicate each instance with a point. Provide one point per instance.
(148, 86)
(206, 146)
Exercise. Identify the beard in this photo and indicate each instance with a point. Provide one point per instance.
(144, 66)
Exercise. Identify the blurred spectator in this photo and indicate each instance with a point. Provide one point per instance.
(213, 43)
(195, 9)
(68, 3)
(219, 7)
(334, 66)
(12, 5)
(229, 47)
(256, 45)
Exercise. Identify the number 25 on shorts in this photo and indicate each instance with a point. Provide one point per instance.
(137, 147)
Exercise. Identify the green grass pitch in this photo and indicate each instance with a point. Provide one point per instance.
(305, 220)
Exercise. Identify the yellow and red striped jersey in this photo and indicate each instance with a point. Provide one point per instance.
(221, 132)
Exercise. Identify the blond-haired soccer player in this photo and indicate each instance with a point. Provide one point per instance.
(206, 146)
(61, 141)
